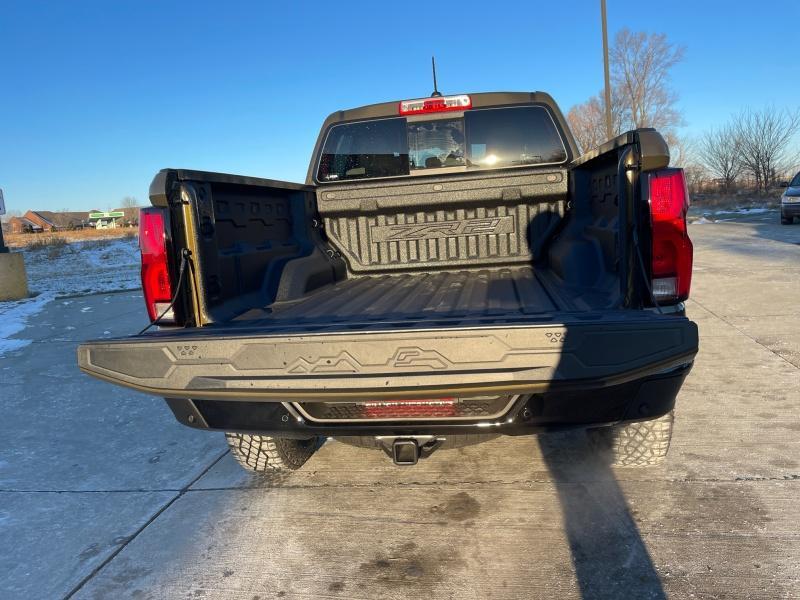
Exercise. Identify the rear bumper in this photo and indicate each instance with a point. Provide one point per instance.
(790, 209)
(582, 351)
(640, 399)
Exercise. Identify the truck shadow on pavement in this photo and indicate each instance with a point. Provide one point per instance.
(752, 231)
(774, 231)
(608, 553)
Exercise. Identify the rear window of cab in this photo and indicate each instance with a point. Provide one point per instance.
(485, 138)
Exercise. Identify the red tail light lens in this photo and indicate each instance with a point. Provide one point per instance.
(672, 248)
(156, 282)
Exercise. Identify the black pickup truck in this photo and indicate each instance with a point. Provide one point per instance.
(450, 271)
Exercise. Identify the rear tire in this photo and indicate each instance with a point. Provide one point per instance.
(641, 444)
(265, 454)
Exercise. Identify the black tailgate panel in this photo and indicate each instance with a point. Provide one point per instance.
(584, 350)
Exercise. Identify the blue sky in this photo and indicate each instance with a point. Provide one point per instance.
(97, 96)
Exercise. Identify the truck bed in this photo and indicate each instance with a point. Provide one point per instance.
(449, 298)
(446, 286)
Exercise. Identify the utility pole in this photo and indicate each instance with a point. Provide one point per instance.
(3, 248)
(609, 130)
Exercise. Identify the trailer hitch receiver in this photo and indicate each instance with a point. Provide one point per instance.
(405, 452)
(408, 450)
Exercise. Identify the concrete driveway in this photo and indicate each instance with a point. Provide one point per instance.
(104, 495)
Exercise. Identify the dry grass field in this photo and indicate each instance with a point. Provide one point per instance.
(61, 238)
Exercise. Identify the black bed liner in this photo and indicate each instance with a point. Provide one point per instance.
(514, 295)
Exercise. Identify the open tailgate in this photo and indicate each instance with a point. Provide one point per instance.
(586, 350)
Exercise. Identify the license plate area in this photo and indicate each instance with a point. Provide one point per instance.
(478, 408)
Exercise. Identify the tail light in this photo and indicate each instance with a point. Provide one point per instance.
(672, 249)
(435, 104)
(156, 282)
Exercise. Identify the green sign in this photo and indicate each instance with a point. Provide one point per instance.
(107, 215)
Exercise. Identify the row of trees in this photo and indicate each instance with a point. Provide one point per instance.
(641, 95)
(754, 144)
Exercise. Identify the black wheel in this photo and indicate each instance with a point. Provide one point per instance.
(640, 444)
(786, 220)
(265, 454)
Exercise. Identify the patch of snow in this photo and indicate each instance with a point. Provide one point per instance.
(743, 211)
(86, 267)
(79, 268)
(753, 211)
(13, 319)
(702, 221)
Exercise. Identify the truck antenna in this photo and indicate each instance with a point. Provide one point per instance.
(436, 91)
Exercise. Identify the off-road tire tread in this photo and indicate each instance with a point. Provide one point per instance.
(266, 454)
(641, 444)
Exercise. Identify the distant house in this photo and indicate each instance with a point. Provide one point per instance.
(23, 225)
(35, 221)
(45, 220)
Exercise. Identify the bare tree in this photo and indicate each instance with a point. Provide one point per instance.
(682, 149)
(641, 95)
(640, 72)
(721, 153)
(763, 138)
(696, 177)
(684, 153)
(588, 122)
(130, 202)
(130, 210)
(10, 214)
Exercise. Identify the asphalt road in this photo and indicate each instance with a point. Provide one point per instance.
(104, 495)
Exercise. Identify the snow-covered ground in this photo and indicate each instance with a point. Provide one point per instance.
(79, 268)
(739, 211)
(13, 316)
(703, 215)
(84, 267)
